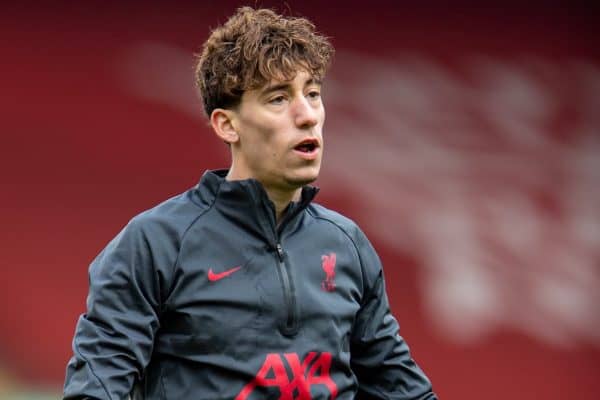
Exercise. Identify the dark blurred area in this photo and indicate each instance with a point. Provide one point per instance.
(464, 140)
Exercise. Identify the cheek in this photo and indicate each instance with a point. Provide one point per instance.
(264, 144)
(267, 138)
(274, 141)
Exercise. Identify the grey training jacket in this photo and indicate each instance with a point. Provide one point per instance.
(204, 298)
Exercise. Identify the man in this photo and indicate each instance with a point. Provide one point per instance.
(242, 288)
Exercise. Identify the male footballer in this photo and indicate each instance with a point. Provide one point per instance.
(242, 287)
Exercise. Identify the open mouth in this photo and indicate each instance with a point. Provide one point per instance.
(307, 146)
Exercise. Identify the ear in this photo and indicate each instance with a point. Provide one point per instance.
(223, 123)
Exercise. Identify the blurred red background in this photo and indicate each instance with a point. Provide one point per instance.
(465, 141)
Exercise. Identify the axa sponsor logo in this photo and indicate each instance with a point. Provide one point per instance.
(328, 265)
(313, 370)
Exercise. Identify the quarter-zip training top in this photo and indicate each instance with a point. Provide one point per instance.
(204, 297)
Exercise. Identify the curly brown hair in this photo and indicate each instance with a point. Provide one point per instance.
(252, 48)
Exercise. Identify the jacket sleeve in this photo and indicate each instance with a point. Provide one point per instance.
(113, 341)
(379, 355)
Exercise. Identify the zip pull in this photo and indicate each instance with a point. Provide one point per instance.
(279, 252)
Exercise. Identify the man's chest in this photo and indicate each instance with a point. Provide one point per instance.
(236, 295)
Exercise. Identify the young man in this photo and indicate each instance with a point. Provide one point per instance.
(242, 288)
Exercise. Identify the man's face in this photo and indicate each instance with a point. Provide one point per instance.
(280, 133)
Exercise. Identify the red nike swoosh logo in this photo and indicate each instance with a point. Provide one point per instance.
(213, 277)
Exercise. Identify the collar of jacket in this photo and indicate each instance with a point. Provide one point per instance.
(247, 203)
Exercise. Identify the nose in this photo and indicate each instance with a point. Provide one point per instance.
(305, 114)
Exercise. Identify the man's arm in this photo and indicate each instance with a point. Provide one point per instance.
(114, 339)
(379, 356)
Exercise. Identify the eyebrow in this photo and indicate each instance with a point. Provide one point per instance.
(286, 86)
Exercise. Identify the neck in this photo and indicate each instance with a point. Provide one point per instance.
(281, 198)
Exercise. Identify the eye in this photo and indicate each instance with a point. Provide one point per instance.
(277, 100)
(314, 94)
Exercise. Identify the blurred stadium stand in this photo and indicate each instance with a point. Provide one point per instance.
(465, 141)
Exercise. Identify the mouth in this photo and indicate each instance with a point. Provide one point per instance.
(307, 146)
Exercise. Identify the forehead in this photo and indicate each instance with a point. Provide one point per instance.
(299, 79)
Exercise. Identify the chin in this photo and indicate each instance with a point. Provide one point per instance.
(304, 178)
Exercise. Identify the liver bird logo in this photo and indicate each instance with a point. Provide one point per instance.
(328, 265)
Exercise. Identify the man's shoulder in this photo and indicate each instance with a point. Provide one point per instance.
(173, 215)
(344, 223)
